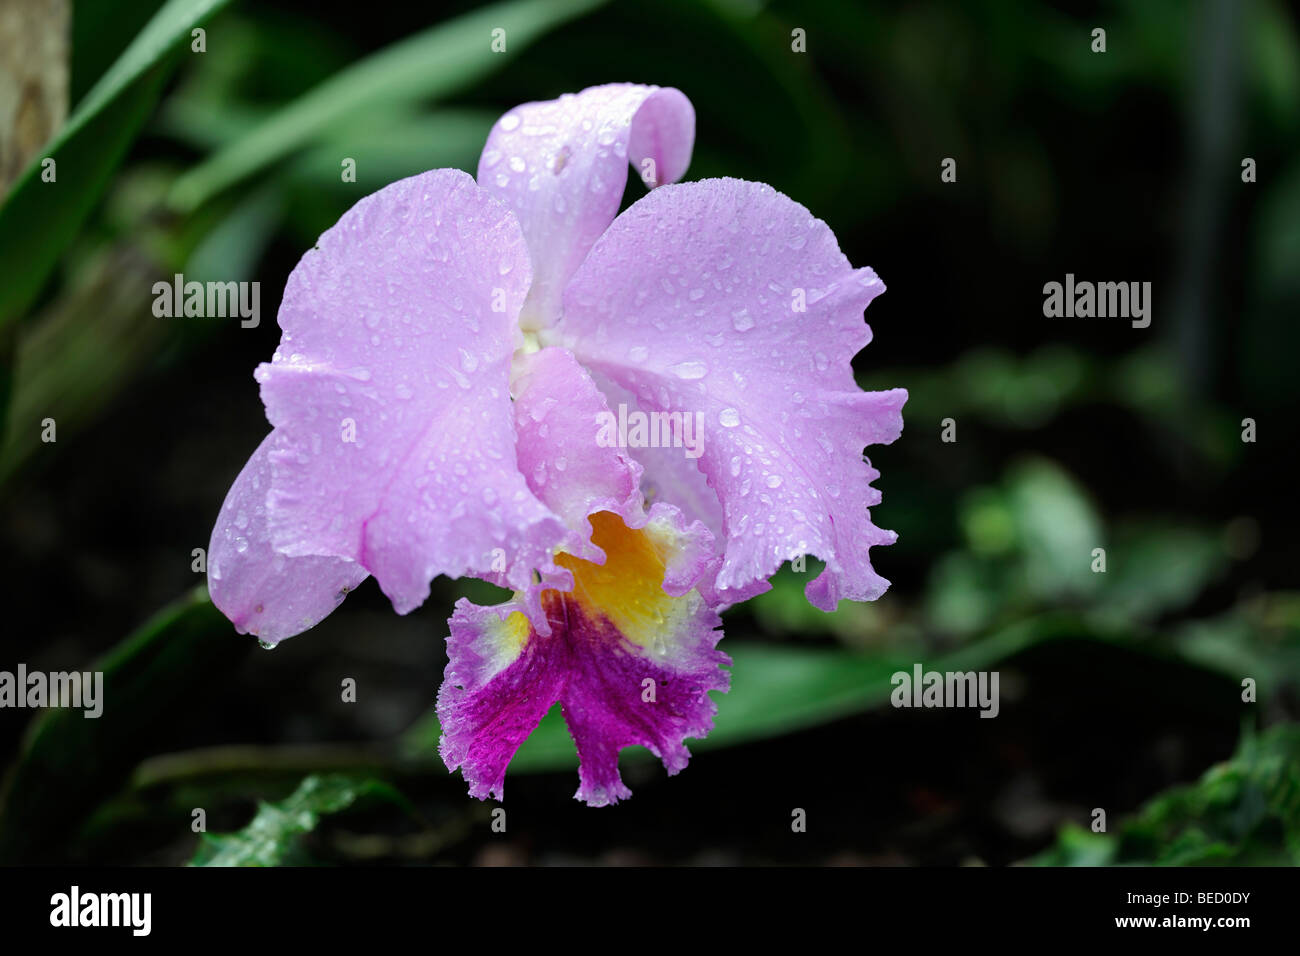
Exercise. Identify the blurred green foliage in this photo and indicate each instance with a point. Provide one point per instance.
(1245, 812)
(272, 837)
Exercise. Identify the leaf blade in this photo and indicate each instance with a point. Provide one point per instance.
(39, 219)
(400, 73)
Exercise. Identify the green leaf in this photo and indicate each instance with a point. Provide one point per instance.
(442, 60)
(69, 762)
(1029, 544)
(1259, 638)
(1242, 812)
(272, 838)
(775, 690)
(39, 219)
(1057, 528)
(389, 147)
(1158, 567)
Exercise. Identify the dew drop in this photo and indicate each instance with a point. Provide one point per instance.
(690, 370)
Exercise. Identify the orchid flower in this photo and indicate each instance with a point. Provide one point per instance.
(448, 351)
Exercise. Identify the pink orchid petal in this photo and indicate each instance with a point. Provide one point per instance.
(572, 467)
(494, 692)
(667, 473)
(690, 301)
(265, 593)
(394, 442)
(561, 165)
(557, 414)
(628, 663)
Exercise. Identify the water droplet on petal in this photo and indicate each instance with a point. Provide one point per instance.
(690, 370)
(729, 418)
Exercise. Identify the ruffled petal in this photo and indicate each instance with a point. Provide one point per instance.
(265, 593)
(559, 415)
(628, 662)
(561, 165)
(498, 684)
(667, 473)
(728, 298)
(577, 464)
(394, 442)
